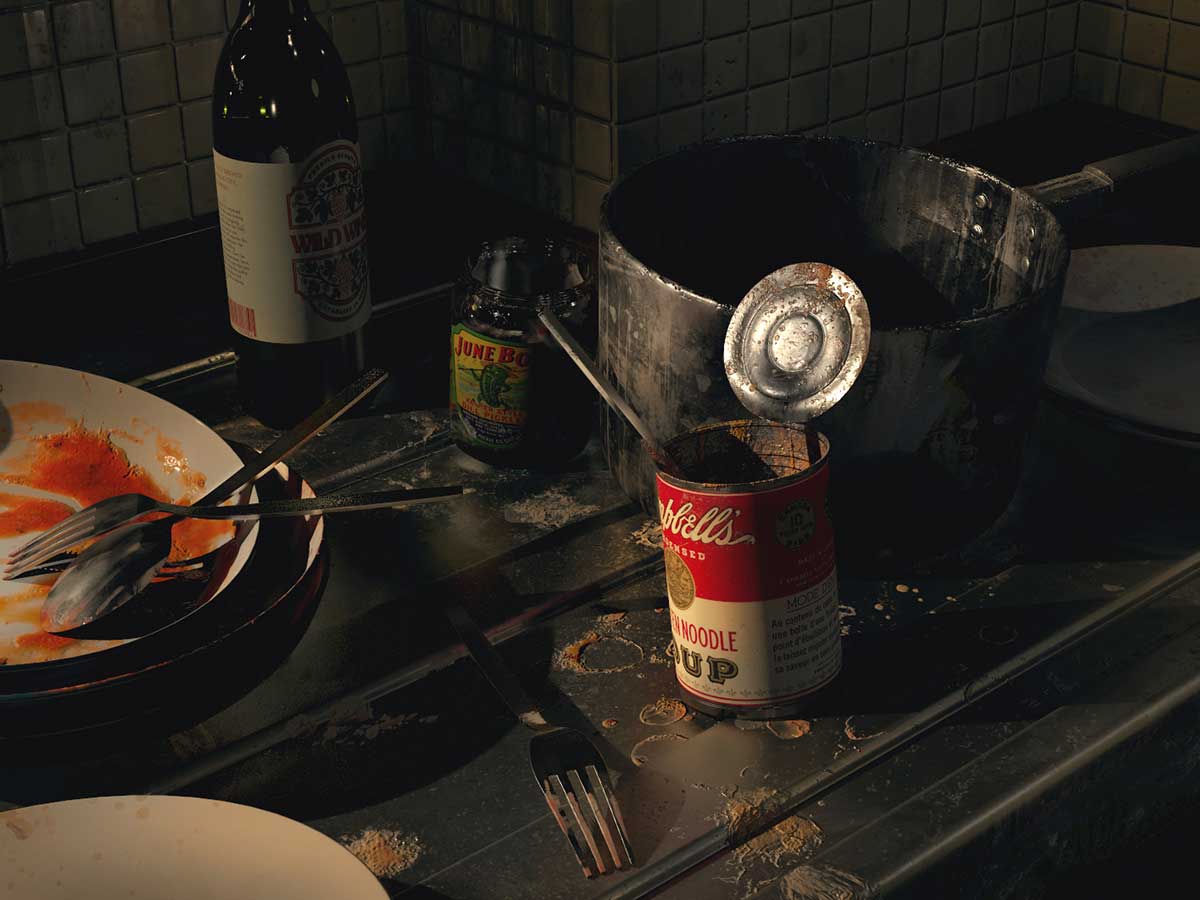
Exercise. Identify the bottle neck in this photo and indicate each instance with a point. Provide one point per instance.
(273, 8)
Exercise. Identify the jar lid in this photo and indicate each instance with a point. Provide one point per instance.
(797, 342)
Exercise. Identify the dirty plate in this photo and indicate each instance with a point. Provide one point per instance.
(184, 848)
(69, 439)
(1126, 341)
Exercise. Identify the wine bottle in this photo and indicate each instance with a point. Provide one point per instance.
(292, 212)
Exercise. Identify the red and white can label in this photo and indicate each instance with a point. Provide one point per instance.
(752, 583)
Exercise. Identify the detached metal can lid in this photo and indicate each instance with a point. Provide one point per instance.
(797, 342)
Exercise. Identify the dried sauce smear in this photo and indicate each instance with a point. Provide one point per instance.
(86, 466)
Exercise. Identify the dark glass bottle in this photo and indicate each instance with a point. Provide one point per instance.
(293, 222)
(516, 399)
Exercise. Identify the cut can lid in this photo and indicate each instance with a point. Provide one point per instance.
(797, 342)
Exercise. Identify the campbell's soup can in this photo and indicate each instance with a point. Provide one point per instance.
(751, 573)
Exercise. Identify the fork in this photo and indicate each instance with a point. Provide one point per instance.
(565, 763)
(115, 511)
(94, 520)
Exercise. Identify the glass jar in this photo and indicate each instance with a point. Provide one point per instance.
(516, 399)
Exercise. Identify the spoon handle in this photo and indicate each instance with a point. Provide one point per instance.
(296, 437)
(611, 395)
(332, 503)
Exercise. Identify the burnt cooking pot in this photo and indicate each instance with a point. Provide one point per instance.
(963, 275)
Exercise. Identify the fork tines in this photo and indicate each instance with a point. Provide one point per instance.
(579, 818)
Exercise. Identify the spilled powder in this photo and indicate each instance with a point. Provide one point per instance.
(385, 852)
(552, 508)
(649, 535)
(638, 753)
(663, 711)
(571, 657)
(855, 735)
(783, 843)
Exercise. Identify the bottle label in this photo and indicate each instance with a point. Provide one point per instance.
(489, 388)
(295, 243)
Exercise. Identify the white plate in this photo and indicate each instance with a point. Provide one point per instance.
(172, 848)
(179, 453)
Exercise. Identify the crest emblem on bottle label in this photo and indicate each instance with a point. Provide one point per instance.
(295, 243)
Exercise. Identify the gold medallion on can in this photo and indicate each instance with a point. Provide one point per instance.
(681, 587)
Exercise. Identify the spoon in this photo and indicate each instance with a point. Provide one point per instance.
(117, 568)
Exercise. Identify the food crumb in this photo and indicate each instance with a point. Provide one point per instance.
(1114, 588)
(611, 618)
(902, 588)
(610, 723)
(791, 837)
(879, 606)
(789, 729)
(385, 852)
(949, 597)
(550, 509)
(649, 535)
(855, 735)
(571, 657)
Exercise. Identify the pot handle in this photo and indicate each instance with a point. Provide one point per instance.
(1085, 191)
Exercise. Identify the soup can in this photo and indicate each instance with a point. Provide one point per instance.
(751, 569)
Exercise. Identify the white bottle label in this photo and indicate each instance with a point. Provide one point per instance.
(295, 242)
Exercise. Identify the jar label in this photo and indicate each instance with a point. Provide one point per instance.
(752, 584)
(489, 387)
(294, 237)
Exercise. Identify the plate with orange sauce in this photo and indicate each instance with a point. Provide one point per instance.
(69, 439)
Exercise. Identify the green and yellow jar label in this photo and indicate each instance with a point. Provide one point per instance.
(489, 387)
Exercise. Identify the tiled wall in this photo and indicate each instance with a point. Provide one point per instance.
(1142, 56)
(553, 99)
(892, 70)
(519, 93)
(105, 125)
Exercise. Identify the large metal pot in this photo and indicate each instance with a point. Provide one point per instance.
(963, 275)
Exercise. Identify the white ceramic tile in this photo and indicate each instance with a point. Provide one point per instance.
(356, 33)
(956, 110)
(1056, 79)
(592, 21)
(725, 65)
(1140, 91)
(397, 74)
(886, 124)
(1146, 40)
(478, 46)
(366, 87)
(634, 28)
(766, 12)
(680, 77)
(140, 23)
(637, 88)
(1183, 53)
(552, 133)
(926, 19)
(1023, 87)
(679, 128)
(593, 86)
(851, 33)
(958, 57)
(551, 72)
(1096, 79)
(769, 53)
(25, 41)
(91, 91)
(808, 100)
(924, 68)
(393, 27)
(555, 193)
(41, 227)
(722, 16)
(99, 152)
(887, 78)
(82, 30)
(767, 109)
(162, 197)
(31, 104)
(196, 63)
(1060, 29)
(196, 18)
(991, 99)
(962, 14)
(34, 167)
(155, 139)
(148, 79)
(1101, 29)
(589, 194)
(552, 19)
(1028, 37)
(855, 127)
(372, 141)
(106, 212)
(197, 129)
(921, 121)
(810, 44)
(996, 10)
(637, 144)
(1181, 101)
(724, 117)
(202, 186)
(995, 48)
(680, 22)
(889, 25)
